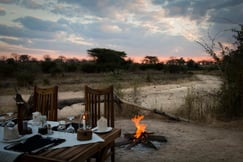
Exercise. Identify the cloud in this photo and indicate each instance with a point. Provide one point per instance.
(2, 11)
(38, 24)
(156, 27)
(31, 4)
(13, 31)
(197, 10)
(111, 28)
(8, 1)
(226, 16)
(11, 41)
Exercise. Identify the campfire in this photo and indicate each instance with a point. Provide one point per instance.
(141, 135)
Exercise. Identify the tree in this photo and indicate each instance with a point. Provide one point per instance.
(175, 61)
(61, 59)
(47, 58)
(48, 65)
(175, 65)
(150, 60)
(8, 67)
(192, 65)
(230, 63)
(107, 59)
(103, 56)
(24, 58)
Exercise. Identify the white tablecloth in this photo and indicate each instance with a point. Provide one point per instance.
(71, 140)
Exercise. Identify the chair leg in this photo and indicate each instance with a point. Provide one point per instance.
(113, 153)
(104, 154)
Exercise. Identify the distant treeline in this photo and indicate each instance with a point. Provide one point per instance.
(25, 65)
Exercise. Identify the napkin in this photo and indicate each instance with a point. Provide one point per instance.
(102, 124)
(11, 133)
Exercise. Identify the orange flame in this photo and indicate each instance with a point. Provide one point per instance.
(140, 127)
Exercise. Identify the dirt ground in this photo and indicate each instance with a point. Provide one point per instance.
(187, 141)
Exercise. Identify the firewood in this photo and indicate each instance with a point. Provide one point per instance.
(146, 138)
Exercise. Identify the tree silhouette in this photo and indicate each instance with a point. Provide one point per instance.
(192, 65)
(24, 58)
(175, 65)
(104, 56)
(150, 60)
(106, 60)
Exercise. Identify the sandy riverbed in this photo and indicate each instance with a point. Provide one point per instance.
(167, 98)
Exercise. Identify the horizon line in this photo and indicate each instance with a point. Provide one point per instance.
(135, 59)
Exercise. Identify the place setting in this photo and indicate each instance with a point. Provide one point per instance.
(39, 134)
(32, 141)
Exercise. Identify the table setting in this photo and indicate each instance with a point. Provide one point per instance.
(13, 144)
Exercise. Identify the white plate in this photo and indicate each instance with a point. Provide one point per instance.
(12, 140)
(105, 131)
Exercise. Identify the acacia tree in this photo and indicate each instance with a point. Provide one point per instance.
(107, 59)
(103, 55)
(24, 58)
(230, 63)
(150, 60)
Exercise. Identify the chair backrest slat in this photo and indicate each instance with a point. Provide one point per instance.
(45, 101)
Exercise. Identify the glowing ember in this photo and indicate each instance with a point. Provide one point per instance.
(140, 127)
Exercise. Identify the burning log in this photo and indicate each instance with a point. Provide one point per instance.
(146, 139)
(141, 136)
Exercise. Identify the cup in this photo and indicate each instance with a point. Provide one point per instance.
(36, 116)
(43, 120)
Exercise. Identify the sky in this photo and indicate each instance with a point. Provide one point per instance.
(161, 28)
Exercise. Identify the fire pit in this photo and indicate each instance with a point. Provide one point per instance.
(141, 136)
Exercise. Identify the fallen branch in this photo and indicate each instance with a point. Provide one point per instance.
(171, 116)
(69, 102)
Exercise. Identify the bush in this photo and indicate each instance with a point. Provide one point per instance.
(25, 78)
(199, 106)
(232, 89)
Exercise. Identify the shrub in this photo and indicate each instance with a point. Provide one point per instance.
(25, 78)
(199, 106)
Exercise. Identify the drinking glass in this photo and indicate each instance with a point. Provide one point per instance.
(10, 123)
(70, 128)
(62, 126)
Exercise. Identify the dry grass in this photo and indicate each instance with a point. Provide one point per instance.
(76, 81)
(199, 106)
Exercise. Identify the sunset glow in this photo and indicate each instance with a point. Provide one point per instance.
(139, 28)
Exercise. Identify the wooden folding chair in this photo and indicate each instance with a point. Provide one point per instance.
(45, 101)
(98, 103)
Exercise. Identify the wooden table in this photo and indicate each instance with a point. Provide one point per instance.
(77, 153)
